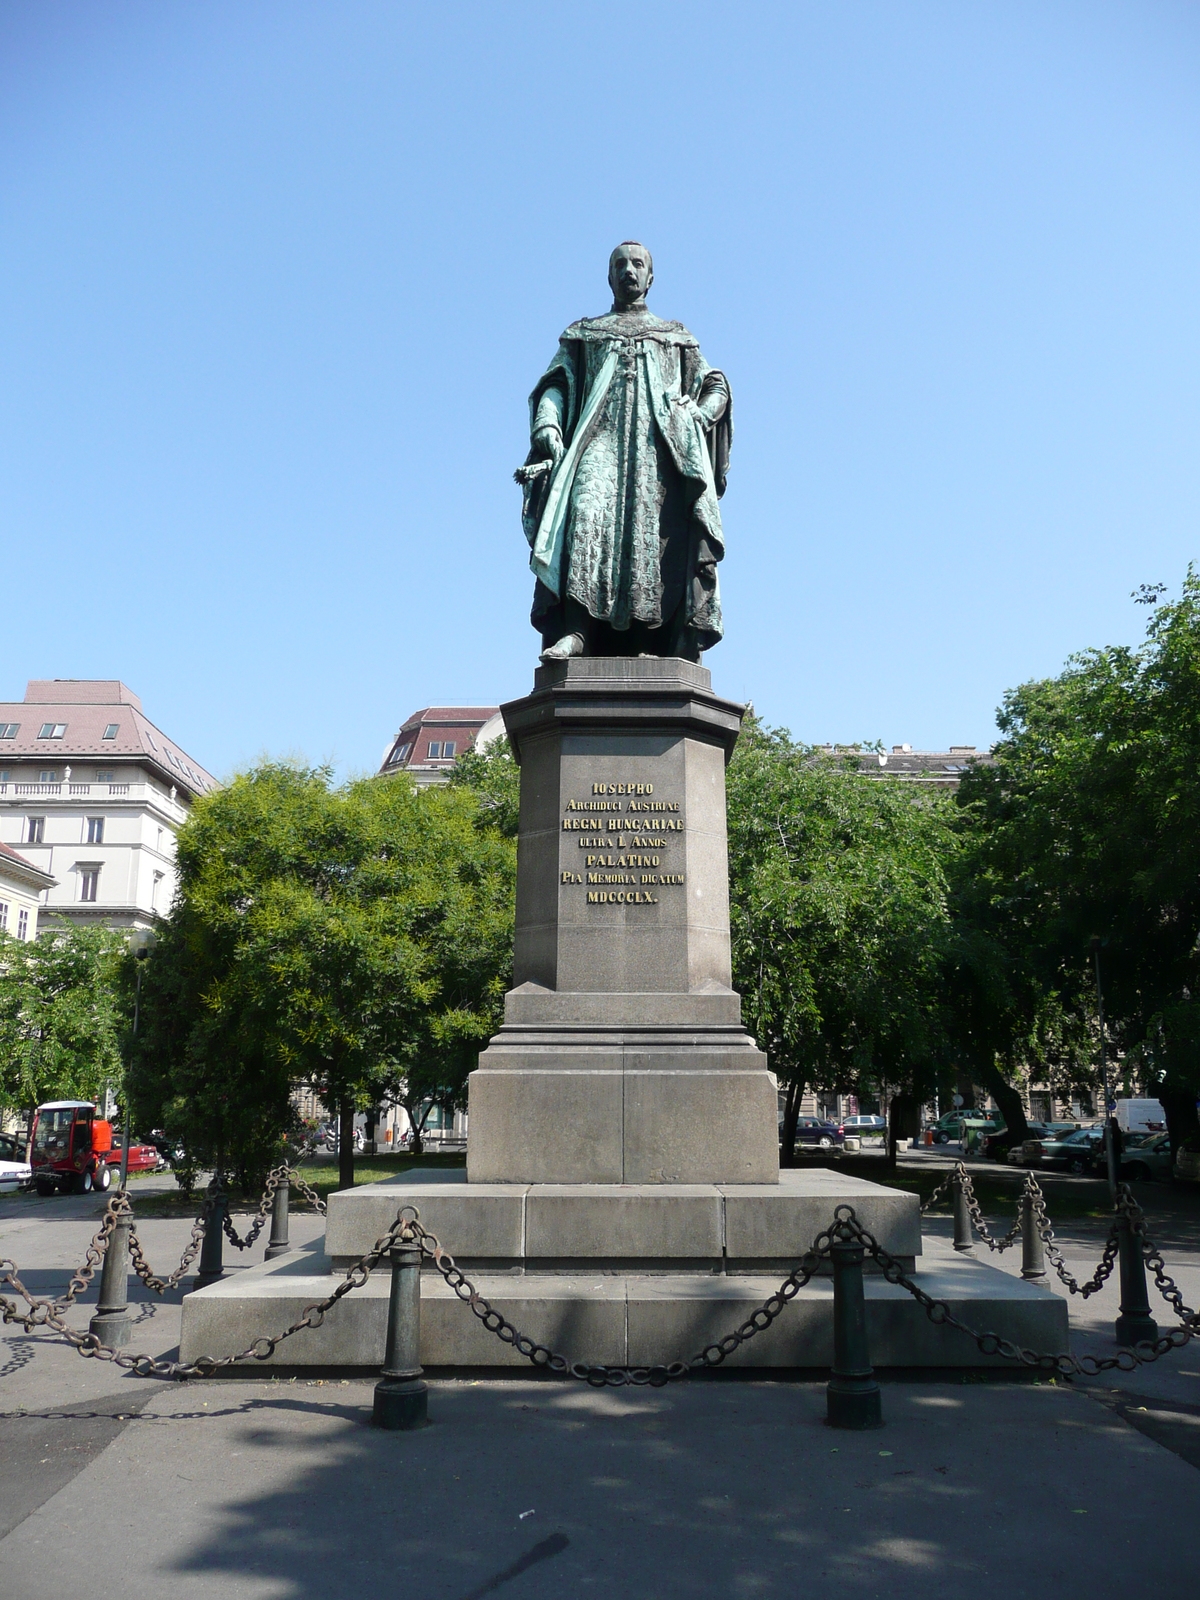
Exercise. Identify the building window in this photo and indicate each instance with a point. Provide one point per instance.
(158, 878)
(95, 830)
(22, 923)
(435, 750)
(47, 777)
(448, 750)
(3, 915)
(9, 730)
(52, 730)
(104, 777)
(35, 833)
(89, 883)
(111, 731)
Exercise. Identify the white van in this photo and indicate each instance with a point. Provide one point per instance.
(1141, 1116)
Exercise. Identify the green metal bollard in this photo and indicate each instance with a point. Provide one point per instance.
(212, 1265)
(112, 1323)
(279, 1245)
(401, 1395)
(1033, 1255)
(852, 1398)
(963, 1238)
(1135, 1324)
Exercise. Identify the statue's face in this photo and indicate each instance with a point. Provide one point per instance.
(630, 273)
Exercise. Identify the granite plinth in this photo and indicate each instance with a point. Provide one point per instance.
(622, 1058)
(621, 1320)
(722, 1229)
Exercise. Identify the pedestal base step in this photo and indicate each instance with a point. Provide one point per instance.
(620, 1320)
(634, 1228)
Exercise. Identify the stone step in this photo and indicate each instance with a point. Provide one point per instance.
(635, 1228)
(620, 1319)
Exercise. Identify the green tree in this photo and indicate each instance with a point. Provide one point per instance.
(1087, 828)
(61, 1018)
(839, 914)
(347, 938)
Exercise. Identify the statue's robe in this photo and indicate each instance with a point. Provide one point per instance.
(628, 524)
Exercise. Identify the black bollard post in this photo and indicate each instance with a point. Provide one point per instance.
(279, 1223)
(212, 1265)
(1135, 1324)
(1033, 1255)
(852, 1397)
(963, 1239)
(112, 1323)
(401, 1395)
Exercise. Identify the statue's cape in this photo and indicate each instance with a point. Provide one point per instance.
(702, 459)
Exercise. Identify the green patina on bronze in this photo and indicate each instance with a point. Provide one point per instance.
(630, 432)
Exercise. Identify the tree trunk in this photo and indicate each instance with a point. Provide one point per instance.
(346, 1143)
(370, 1147)
(791, 1115)
(1180, 1107)
(1009, 1101)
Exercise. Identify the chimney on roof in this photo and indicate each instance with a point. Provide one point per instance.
(962, 749)
(902, 749)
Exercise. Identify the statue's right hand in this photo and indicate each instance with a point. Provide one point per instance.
(548, 444)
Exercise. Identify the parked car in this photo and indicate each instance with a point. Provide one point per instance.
(1187, 1158)
(995, 1146)
(1144, 1156)
(1039, 1133)
(15, 1171)
(68, 1147)
(1074, 1152)
(819, 1133)
(863, 1127)
(950, 1126)
(143, 1157)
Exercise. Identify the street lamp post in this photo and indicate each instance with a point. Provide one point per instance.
(141, 942)
(1110, 1143)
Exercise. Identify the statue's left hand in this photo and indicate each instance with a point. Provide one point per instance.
(689, 406)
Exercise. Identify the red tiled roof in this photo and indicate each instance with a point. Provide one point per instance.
(88, 707)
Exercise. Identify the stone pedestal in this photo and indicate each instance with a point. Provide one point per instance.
(622, 1059)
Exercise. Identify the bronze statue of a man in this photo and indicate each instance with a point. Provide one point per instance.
(630, 431)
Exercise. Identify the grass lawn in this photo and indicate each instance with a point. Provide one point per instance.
(320, 1174)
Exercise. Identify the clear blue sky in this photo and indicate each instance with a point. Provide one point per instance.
(277, 280)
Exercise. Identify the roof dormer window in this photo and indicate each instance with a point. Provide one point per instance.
(52, 730)
(111, 731)
(9, 730)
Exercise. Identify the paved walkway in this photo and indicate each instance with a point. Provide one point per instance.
(731, 1487)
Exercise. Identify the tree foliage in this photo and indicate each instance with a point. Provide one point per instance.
(839, 914)
(61, 1016)
(1087, 829)
(356, 939)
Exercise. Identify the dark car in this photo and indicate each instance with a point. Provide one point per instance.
(1076, 1152)
(995, 1146)
(818, 1133)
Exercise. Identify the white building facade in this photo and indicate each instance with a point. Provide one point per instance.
(22, 886)
(92, 794)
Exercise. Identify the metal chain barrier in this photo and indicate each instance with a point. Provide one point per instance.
(596, 1374)
(407, 1228)
(976, 1210)
(943, 1187)
(1111, 1245)
(49, 1313)
(1064, 1363)
(137, 1256)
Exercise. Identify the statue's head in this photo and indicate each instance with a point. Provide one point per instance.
(630, 272)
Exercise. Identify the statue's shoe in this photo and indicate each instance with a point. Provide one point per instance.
(571, 644)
